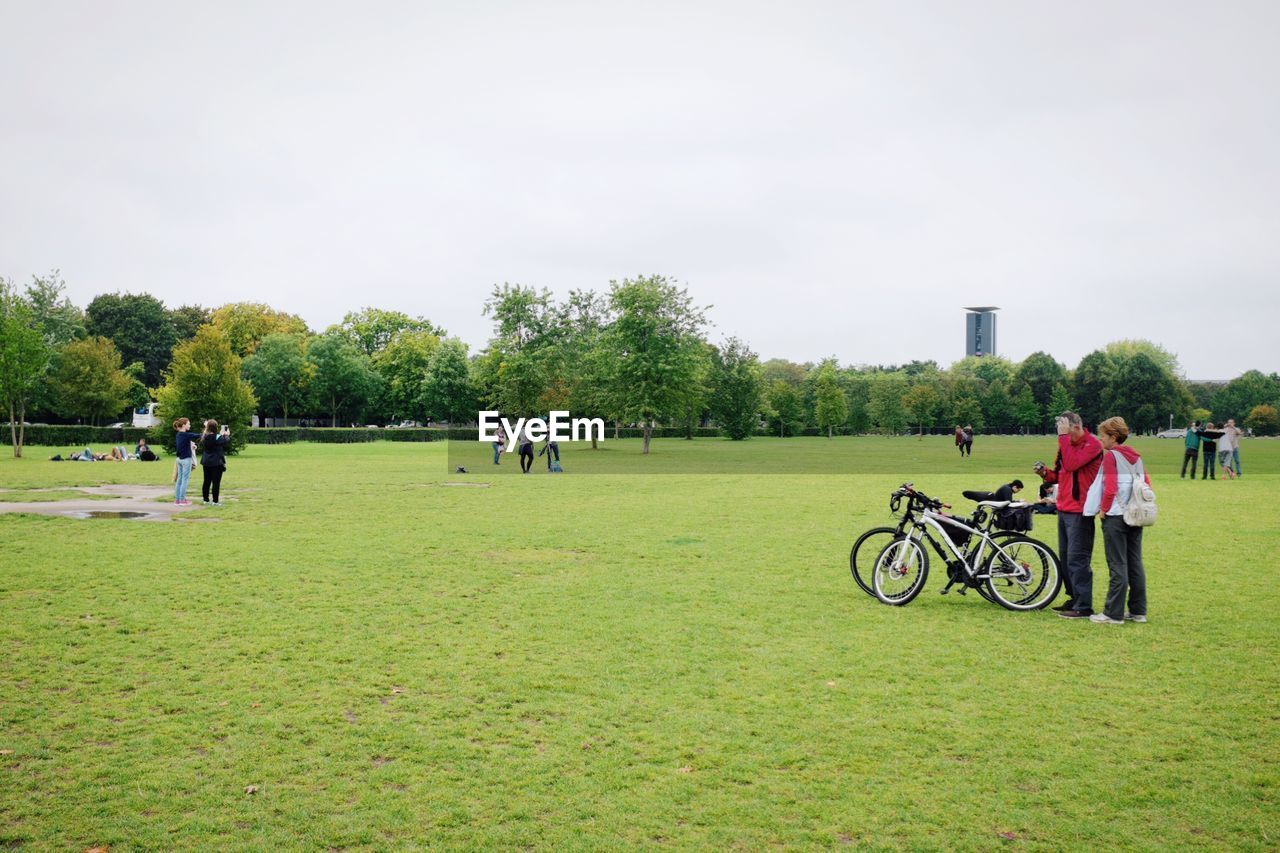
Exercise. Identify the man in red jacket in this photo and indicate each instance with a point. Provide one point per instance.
(1079, 460)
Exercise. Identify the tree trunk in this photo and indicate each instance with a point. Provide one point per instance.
(13, 431)
(286, 412)
(593, 440)
(333, 411)
(829, 430)
(648, 434)
(22, 426)
(617, 423)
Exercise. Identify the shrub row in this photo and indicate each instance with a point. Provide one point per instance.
(80, 436)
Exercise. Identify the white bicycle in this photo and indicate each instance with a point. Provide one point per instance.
(1012, 569)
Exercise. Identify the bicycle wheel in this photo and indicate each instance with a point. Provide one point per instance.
(997, 536)
(1022, 573)
(868, 547)
(900, 571)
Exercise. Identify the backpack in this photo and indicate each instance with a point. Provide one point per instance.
(1016, 518)
(1141, 509)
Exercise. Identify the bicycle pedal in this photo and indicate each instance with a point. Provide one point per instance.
(943, 591)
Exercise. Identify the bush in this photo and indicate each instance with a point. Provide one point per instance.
(339, 435)
(83, 436)
(270, 435)
(423, 434)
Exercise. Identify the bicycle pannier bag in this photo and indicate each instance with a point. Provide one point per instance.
(1016, 518)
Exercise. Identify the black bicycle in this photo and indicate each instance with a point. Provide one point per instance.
(986, 551)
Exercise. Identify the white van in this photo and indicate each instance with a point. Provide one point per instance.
(145, 416)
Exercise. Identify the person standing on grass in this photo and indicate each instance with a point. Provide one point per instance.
(1121, 465)
(960, 439)
(186, 459)
(551, 448)
(1077, 465)
(1234, 431)
(1209, 450)
(1192, 452)
(1226, 448)
(526, 453)
(499, 444)
(213, 458)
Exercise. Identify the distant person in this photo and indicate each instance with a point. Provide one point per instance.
(960, 439)
(185, 440)
(1228, 448)
(1078, 462)
(213, 458)
(1231, 429)
(551, 448)
(1191, 452)
(526, 453)
(499, 443)
(1007, 491)
(118, 454)
(144, 452)
(1209, 450)
(1122, 542)
(968, 441)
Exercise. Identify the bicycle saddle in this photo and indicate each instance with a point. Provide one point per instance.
(975, 495)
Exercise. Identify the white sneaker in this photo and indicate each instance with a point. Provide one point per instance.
(1130, 617)
(1104, 619)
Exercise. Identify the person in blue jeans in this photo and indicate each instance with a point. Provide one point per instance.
(186, 439)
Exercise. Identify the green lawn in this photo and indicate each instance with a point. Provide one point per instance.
(619, 660)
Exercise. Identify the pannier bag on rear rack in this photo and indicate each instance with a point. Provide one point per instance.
(1016, 518)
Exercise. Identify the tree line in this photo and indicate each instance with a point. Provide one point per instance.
(636, 353)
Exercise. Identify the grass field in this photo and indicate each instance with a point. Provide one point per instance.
(620, 661)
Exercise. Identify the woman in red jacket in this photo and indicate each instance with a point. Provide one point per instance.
(1121, 466)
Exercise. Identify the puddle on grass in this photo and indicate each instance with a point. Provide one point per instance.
(103, 513)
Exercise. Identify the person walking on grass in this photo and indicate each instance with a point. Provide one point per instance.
(186, 440)
(213, 458)
(968, 441)
(1122, 470)
(526, 453)
(1076, 467)
(960, 439)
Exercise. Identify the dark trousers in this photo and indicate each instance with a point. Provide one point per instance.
(1123, 545)
(526, 460)
(1075, 553)
(1189, 456)
(1210, 459)
(212, 480)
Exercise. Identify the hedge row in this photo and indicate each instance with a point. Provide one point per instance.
(80, 436)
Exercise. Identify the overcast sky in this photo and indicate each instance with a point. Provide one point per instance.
(835, 178)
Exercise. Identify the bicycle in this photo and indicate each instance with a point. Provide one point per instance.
(873, 541)
(1009, 568)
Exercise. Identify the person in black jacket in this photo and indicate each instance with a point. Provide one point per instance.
(213, 458)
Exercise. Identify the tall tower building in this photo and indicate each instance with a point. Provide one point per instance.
(980, 331)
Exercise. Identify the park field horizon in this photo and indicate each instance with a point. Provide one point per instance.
(363, 649)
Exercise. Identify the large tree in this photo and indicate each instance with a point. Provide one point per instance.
(1041, 373)
(188, 319)
(344, 381)
(735, 389)
(1145, 393)
(886, 408)
(373, 329)
(447, 391)
(204, 382)
(1093, 377)
(86, 380)
(1027, 413)
(786, 410)
(280, 373)
(402, 364)
(246, 323)
(921, 403)
(60, 321)
(997, 406)
(139, 326)
(24, 358)
(1238, 397)
(656, 347)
